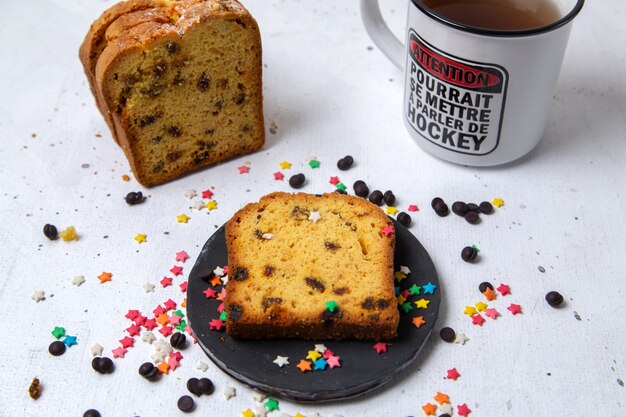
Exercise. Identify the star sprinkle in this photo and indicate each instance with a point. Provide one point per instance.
(247, 413)
(207, 194)
(166, 330)
(243, 169)
(470, 311)
(78, 280)
(313, 355)
(279, 176)
(333, 361)
(429, 288)
(202, 366)
(418, 321)
(173, 362)
(158, 311)
(412, 207)
(304, 365)
(119, 352)
(169, 304)
(181, 256)
(191, 193)
(281, 361)
(405, 269)
(331, 305)
(229, 392)
(148, 287)
(341, 186)
(399, 276)
(166, 282)
(209, 293)
(429, 409)
(463, 410)
(219, 271)
(175, 319)
(104, 277)
(69, 234)
(478, 320)
(460, 338)
(315, 216)
(133, 330)
(314, 163)
(328, 353)
(216, 324)
(400, 299)
(415, 289)
(320, 348)
(163, 367)
(442, 398)
(453, 374)
(320, 364)
(480, 306)
(490, 294)
(141, 238)
(96, 349)
(182, 218)
(492, 313)
(177, 270)
(504, 289)
(183, 286)
(163, 319)
(334, 180)
(127, 342)
(380, 347)
(388, 230)
(148, 337)
(58, 332)
(211, 205)
(498, 202)
(198, 205)
(391, 210)
(132, 314)
(422, 303)
(445, 408)
(406, 307)
(217, 280)
(285, 165)
(271, 404)
(515, 309)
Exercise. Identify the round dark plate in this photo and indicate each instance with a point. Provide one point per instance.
(362, 368)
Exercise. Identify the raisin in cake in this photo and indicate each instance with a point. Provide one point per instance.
(178, 82)
(310, 267)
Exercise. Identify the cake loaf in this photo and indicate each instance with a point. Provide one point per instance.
(310, 267)
(178, 82)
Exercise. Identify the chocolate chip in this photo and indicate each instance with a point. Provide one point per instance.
(154, 90)
(341, 290)
(389, 198)
(486, 207)
(315, 283)
(186, 404)
(173, 156)
(205, 386)
(171, 47)
(473, 207)
(445, 415)
(345, 163)
(134, 198)
(91, 413)
(554, 299)
(382, 304)
(160, 69)
(459, 208)
(240, 98)
(102, 365)
(297, 181)
(469, 254)
(482, 287)
(360, 189)
(331, 246)
(340, 191)
(368, 303)
(241, 274)
(50, 231)
(174, 131)
(149, 371)
(192, 386)
(441, 209)
(271, 301)
(268, 271)
(178, 340)
(436, 201)
(376, 197)
(472, 217)
(57, 348)
(404, 219)
(158, 167)
(235, 311)
(447, 334)
(147, 120)
(204, 82)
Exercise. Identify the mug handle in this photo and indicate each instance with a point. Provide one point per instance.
(380, 33)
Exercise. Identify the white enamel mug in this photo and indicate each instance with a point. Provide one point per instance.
(474, 96)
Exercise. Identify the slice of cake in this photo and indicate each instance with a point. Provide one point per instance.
(310, 267)
(178, 82)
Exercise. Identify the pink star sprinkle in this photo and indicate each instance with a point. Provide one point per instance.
(119, 352)
(492, 313)
(133, 330)
(220, 308)
(328, 353)
(334, 180)
(158, 311)
(453, 374)
(127, 342)
(150, 324)
(183, 287)
(182, 255)
(225, 268)
(140, 320)
(209, 293)
(515, 309)
(504, 289)
(188, 330)
(177, 270)
(132, 314)
(244, 169)
(222, 294)
(333, 362)
(388, 230)
(278, 176)
(166, 330)
(173, 363)
(216, 324)
(478, 320)
(175, 319)
(166, 282)
(413, 207)
(169, 305)
(463, 410)
(207, 194)
(380, 347)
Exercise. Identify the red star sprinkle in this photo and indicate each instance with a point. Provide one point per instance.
(453, 374)
(132, 314)
(380, 347)
(406, 294)
(328, 353)
(333, 361)
(127, 342)
(177, 270)
(492, 313)
(166, 330)
(119, 352)
(278, 176)
(158, 311)
(220, 308)
(210, 293)
(504, 289)
(150, 324)
(207, 194)
(133, 330)
(388, 230)
(140, 320)
(244, 169)
(463, 410)
(478, 320)
(183, 287)
(515, 309)
(216, 324)
(175, 319)
(334, 180)
(169, 305)
(182, 255)
(176, 355)
(166, 282)
(413, 207)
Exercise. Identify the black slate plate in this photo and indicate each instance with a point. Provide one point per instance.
(362, 369)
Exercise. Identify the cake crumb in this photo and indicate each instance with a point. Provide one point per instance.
(34, 390)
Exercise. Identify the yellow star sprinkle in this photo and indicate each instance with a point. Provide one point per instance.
(298, 415)
(401, 299)
(399, 275)
(69, 234)
(480, 306)
(285, 165)
(211, 205)
(422, 303)
(470, 311)
(391, 210)
(313, 355)
(182, 218)
(247, 413)
(498, 202)
(141, 238)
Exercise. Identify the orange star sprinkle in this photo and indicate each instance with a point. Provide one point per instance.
(418, 321)
(429, 409)
(163, 367)
(184, 303)
(304, 365)
(442, 398)
(490, 294)
(163, 319)
(216, 281)
(104, 277)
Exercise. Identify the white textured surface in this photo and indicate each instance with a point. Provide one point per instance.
(330, 96)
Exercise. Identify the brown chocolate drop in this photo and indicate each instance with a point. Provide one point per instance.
(240, 99)
(382, 304)
(368, 303)
(160, 69)
(331, 246)
(172, 47)
(204, 82)
(173, 156)
(269, 270)
(241, 274)
(235, 311)
(147, 120)
(271, 301)
(315, 283)
(174, 131)
(341, 290)
(158, 167)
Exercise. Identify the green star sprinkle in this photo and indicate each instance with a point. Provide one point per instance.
(415, 289)
(223, 315)
(181, 326)
(406, 307)
(271, 404)
(179, 313)
(477, 250)
(331, 306)
(58, 332)
(314, 163)
(341, 186)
